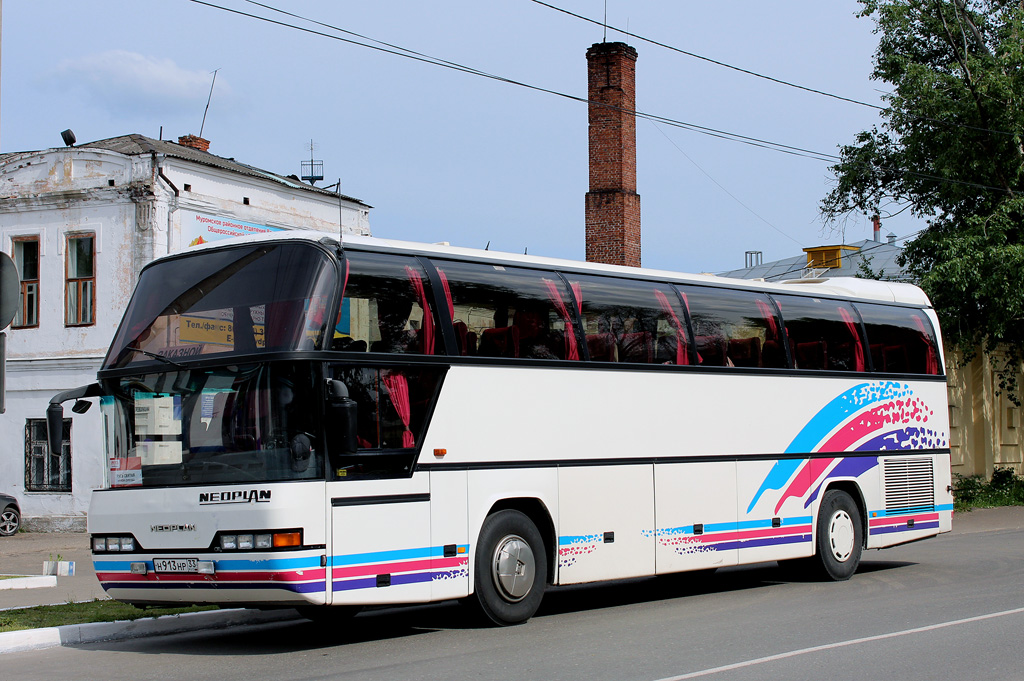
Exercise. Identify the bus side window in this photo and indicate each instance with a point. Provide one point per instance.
(735, 328)
(387, 307)
(901, 340)
(631, 321)
(823, 334)
(509, 312)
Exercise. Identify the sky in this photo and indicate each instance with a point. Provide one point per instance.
(444, 155)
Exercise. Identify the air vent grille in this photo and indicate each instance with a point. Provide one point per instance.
(909, 485)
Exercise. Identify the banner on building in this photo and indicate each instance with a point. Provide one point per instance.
(199, 228)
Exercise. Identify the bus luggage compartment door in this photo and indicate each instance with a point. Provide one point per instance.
(605, 518)
(380, 551)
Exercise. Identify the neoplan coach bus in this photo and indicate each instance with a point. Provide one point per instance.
(292, 421)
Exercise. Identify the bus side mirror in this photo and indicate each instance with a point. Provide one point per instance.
(341, 421)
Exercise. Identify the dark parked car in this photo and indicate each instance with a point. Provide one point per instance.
(10, 517)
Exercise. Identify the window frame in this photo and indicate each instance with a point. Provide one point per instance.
(24, 283)
(76, 283)
(63, 460)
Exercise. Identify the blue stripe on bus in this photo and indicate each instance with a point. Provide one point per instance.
(882, 513)
(393, 555)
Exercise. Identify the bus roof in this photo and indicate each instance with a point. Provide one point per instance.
(842, 287)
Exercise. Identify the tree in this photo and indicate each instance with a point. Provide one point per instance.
(950, 148)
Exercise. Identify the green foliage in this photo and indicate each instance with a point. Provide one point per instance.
(1006, 488)
(950, 148)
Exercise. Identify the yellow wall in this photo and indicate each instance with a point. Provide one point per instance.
(985, 427)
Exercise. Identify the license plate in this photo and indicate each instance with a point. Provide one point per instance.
(176, 564)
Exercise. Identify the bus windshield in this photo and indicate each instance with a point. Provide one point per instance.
(233, 301)
(248, 423)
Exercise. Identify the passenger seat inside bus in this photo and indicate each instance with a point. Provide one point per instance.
(745, 352)
(812, 355)
(602, 347)
(637, 347)
(500, 342)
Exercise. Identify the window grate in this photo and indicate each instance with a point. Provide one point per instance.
(45, 472)
(909, 485)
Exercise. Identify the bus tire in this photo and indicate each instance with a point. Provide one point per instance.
(840, 537)
(511, 566)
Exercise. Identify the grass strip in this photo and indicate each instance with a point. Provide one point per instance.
(43, 616)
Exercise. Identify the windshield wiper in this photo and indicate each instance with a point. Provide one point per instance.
(155, 355)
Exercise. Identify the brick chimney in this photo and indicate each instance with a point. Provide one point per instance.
(613, 206)
(195, 142)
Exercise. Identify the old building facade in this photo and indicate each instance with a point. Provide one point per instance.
(80, 223)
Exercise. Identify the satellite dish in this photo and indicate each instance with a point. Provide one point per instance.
(10, 290)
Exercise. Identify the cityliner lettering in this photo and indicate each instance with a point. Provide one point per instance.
(235, 497)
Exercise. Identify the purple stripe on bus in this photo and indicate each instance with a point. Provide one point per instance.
(890, 529)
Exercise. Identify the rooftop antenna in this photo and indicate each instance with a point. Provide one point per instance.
(488, 246)
(313, 170)
(208, 99)
(605, 22)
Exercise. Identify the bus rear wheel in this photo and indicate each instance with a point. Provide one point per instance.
(840, 537)
(511, 566)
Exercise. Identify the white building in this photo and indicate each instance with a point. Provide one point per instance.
(80, 223)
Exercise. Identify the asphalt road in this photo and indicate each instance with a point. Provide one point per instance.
(947, 608)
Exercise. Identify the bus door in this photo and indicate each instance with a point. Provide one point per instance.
(379, 510)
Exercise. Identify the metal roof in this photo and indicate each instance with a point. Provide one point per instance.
(137, 145)
(880, 258)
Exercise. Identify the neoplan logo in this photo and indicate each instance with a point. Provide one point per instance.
(252, 496)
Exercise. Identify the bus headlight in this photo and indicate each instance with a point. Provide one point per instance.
(255, 540)
(111, 544)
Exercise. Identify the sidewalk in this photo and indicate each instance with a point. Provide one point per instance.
(24, 554)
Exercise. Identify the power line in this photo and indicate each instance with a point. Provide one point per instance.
(772, 79)
(720, 186)
(418, 56)
(387, 48)
(712, 61)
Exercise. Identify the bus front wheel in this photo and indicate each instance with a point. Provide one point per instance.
(840, 536)
(511, 565)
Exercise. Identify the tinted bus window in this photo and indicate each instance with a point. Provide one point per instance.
(631, 321)
(901, 340)
(233, 301)
(823, 334)
(734, 328)
(509, 312)
(387, 307)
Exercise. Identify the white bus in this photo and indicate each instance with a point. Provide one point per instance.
(292, 421)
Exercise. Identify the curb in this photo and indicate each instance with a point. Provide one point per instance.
(29, 582)
(95, 632)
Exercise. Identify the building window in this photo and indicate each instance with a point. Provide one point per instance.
(46, 472)
(80, 309)
(26, 258)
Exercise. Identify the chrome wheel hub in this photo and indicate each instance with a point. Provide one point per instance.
(513, 568)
